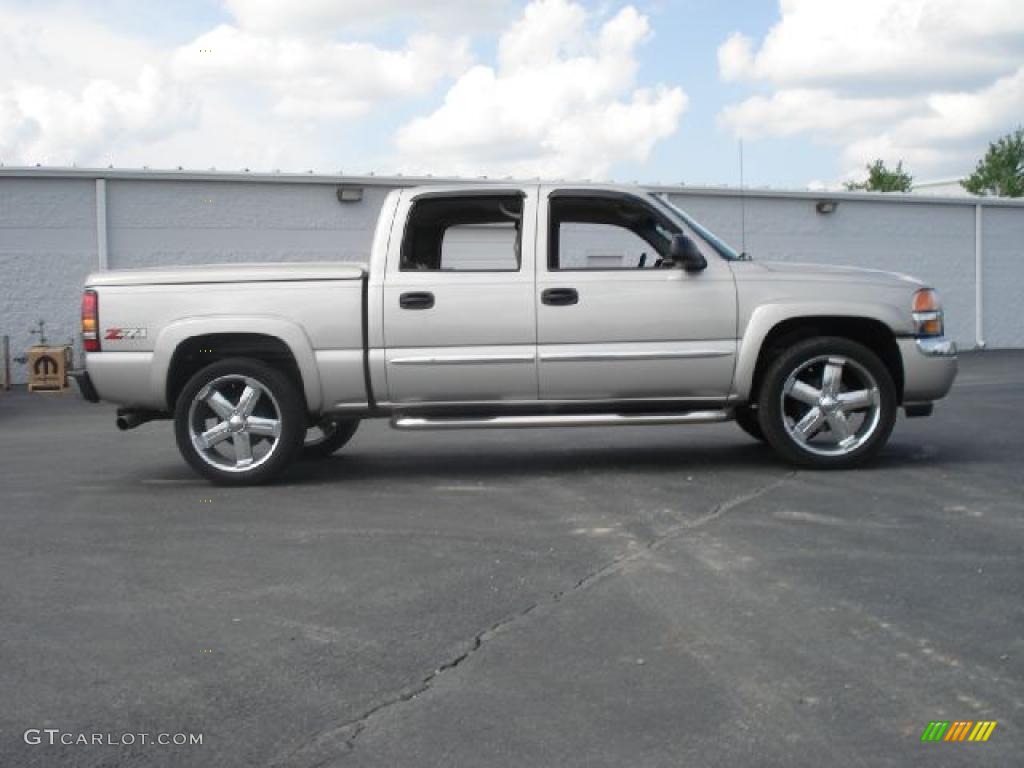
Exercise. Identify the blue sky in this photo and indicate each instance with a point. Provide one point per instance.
(653, 90)
(685, 41)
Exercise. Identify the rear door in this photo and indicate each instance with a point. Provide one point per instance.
(459, 317)
(614, 319)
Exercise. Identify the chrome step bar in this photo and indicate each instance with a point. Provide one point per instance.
(413, 423)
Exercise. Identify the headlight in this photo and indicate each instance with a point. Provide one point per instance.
(927, 312)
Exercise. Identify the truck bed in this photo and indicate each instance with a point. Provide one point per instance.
(314, 308)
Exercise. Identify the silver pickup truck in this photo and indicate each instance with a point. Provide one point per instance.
(514, 306)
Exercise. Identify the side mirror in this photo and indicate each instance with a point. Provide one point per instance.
(685, 253)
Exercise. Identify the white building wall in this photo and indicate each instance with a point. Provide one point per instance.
(48, 236)
(194, 222)
(1002, 232)
(47, 247)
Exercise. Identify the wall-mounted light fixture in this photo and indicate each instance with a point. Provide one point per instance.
(348, 194)
(826, 206)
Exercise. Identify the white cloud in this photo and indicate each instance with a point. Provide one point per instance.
(74, 91)
(891, 43)
(57, 125)
(951, 130)
(736, 57)
(55, 111)
(330, 16)
(560, 102)
(67, 48)
(311, 78)
(17, 130)
(288, 84)
(820, 111)
(926, 81)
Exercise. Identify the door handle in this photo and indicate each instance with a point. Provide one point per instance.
(560, 297)
(416, 300)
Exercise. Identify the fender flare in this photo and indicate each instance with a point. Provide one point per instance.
(289, 333)
(767, 316)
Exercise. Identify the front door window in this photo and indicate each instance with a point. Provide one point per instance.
(597, 233)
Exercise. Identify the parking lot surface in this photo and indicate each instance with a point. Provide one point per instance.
(581, 597)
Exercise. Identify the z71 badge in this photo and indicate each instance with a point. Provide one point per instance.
(119, 334)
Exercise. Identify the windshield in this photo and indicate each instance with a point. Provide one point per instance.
(725, 250)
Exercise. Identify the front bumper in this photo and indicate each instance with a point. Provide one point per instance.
(929, 367)
(937, 347)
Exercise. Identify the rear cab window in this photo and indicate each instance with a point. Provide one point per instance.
(479, 233)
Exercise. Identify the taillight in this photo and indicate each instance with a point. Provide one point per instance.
(90, 321)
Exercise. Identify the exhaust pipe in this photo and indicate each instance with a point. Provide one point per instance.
(129, 418)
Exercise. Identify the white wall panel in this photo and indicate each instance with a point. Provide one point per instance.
(47, 247)
(1002, 233)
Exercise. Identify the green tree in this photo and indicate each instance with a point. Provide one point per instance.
(882, 179)
(1001, 170)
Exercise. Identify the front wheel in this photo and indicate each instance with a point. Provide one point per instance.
(827, 403)
(239, 422)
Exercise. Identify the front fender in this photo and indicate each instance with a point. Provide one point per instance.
(288, 332)
(767, 316)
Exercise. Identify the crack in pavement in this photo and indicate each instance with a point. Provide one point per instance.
(356, 725)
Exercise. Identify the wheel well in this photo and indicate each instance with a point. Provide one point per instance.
(873, 334)
(197, 352)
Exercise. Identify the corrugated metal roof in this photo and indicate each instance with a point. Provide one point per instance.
(373, 180)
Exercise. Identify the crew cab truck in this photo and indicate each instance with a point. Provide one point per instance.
(514, 306)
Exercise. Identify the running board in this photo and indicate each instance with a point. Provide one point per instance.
(413, 423)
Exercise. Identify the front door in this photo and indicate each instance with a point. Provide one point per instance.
(459, 316)
(615, 319)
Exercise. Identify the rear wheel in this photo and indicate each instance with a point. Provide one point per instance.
(327, 436)
(747, 419)
(827, 403)
(239, 422)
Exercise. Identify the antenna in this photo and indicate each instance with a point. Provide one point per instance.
(743, 209)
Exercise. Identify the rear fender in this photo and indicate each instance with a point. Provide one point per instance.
(291, 334)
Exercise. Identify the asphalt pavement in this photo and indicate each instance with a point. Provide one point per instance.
(662, 596)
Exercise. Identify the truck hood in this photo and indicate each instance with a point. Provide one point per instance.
(229, 273)
(792, 271)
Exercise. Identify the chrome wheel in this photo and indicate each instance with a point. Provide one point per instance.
(234, 423)
(831, 405)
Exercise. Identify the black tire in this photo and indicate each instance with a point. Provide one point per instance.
(278, 404)
(747, 419)
(327, 437)
(858, 369)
